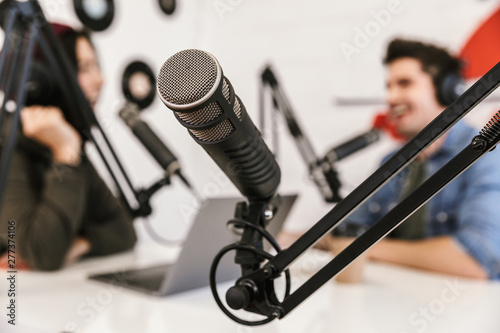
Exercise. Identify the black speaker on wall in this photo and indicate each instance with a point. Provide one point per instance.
(97, 15)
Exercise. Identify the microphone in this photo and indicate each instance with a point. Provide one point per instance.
(353, 145)
(381, 122)
(167, 160)
(191, 83)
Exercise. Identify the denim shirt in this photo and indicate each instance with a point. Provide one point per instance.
(466, 209)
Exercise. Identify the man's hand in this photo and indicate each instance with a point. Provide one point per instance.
(46, 125)
(439, 254)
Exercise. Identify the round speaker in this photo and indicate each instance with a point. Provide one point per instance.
(167, 6)
(96, 15)
(139, 84)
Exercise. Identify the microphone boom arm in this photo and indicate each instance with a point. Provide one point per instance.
(323, 173)
(30, 16)
(480, 145)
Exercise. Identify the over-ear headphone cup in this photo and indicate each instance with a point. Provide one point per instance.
(450, 89)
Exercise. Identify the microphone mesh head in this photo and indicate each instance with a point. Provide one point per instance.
(209, 112)
(215, 133)
(237, 107)
(202, 116)
(187, 77)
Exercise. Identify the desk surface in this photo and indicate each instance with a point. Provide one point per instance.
(392, 300)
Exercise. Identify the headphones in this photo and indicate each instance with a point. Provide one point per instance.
(449, 87)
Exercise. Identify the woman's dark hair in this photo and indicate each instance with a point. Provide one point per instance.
(68, 37)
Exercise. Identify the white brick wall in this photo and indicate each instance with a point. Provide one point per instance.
(302, 40)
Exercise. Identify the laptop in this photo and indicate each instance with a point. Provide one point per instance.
(207, 236)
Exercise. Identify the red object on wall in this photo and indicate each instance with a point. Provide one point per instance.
(382, 121)
(482, 51)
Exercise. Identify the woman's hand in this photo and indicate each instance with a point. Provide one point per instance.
(79, 248)
(47, 125)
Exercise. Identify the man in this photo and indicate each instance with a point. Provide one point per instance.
(458, 231)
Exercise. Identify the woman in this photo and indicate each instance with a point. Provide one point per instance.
(61, 207)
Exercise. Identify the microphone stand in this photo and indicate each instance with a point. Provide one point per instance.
(26, 26)
(256, 288)
(321, 171)
(130, 111)
(250, 221)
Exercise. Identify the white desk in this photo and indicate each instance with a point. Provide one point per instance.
(392, 300)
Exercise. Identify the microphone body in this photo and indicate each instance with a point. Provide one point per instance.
(351, 146)
(191, 83)
(167, 160)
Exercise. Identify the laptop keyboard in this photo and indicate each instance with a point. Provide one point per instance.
(149, 279)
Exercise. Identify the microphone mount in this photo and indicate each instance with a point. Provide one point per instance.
(144, 196)
(250, 221)
(130, 114)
